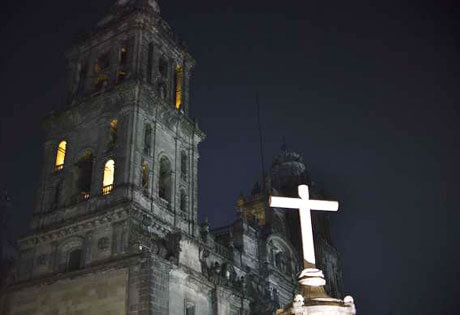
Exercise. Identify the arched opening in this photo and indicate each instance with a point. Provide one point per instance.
(113, 133)
(163, 67)
(123, 62)
(282, 257)
(145, 176)
(183, 200)
(165, 180)
(149, 62)
(85, 174)
(147, 139)
(189, 308)
(60, 155)
(183, 165)
(109, 176)
(74, 262)
(178, 82)
(101, 71)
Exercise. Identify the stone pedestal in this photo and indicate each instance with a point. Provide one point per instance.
(314, 299)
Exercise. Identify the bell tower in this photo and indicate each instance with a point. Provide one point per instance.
(118, 187)
(125, 134)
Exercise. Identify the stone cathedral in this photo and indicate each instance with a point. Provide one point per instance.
(115, 229)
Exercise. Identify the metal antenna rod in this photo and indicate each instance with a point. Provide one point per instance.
(261, 143)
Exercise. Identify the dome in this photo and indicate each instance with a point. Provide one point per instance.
(288, 171)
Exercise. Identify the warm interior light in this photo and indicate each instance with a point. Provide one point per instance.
(178, 88)
(114, 126)
(109, 173)
(60, 155)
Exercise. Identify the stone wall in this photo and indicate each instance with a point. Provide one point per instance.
(101, 293)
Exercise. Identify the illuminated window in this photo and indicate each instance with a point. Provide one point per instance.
(74, 262)
(109, 175)
(113, 133)
(165, 180)
(183, 200)
(183, 165)
(85, 175)
(178, 81)
(145, 176)
(147, 139)
(123, 62)
(60, 155)
(101, 68)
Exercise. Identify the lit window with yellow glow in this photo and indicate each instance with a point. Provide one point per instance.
(60, 155)
(123, 62)
(178, 88)
(109, 175)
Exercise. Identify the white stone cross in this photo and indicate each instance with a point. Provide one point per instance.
(305, 205)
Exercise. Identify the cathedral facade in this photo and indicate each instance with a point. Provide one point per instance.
(115, 229)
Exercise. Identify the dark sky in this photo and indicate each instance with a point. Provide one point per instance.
(367, 91)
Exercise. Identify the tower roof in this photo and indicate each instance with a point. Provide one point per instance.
(139, 3)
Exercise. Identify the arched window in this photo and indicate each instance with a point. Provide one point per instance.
(123, 62)
(74, 262)
(109, 176)
(113, 133)
(183, 165)
(101, 71)
(147, 138)
(183, 200)
(60, 155)
(163, 67)
(276, 298)
(149, 62)
(145, 176)
(165, 180)
(178, 81)
(85, 175)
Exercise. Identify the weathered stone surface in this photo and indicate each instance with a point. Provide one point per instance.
(102, 293)
(134, 246)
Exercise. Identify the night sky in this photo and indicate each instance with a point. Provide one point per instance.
(366, 91)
